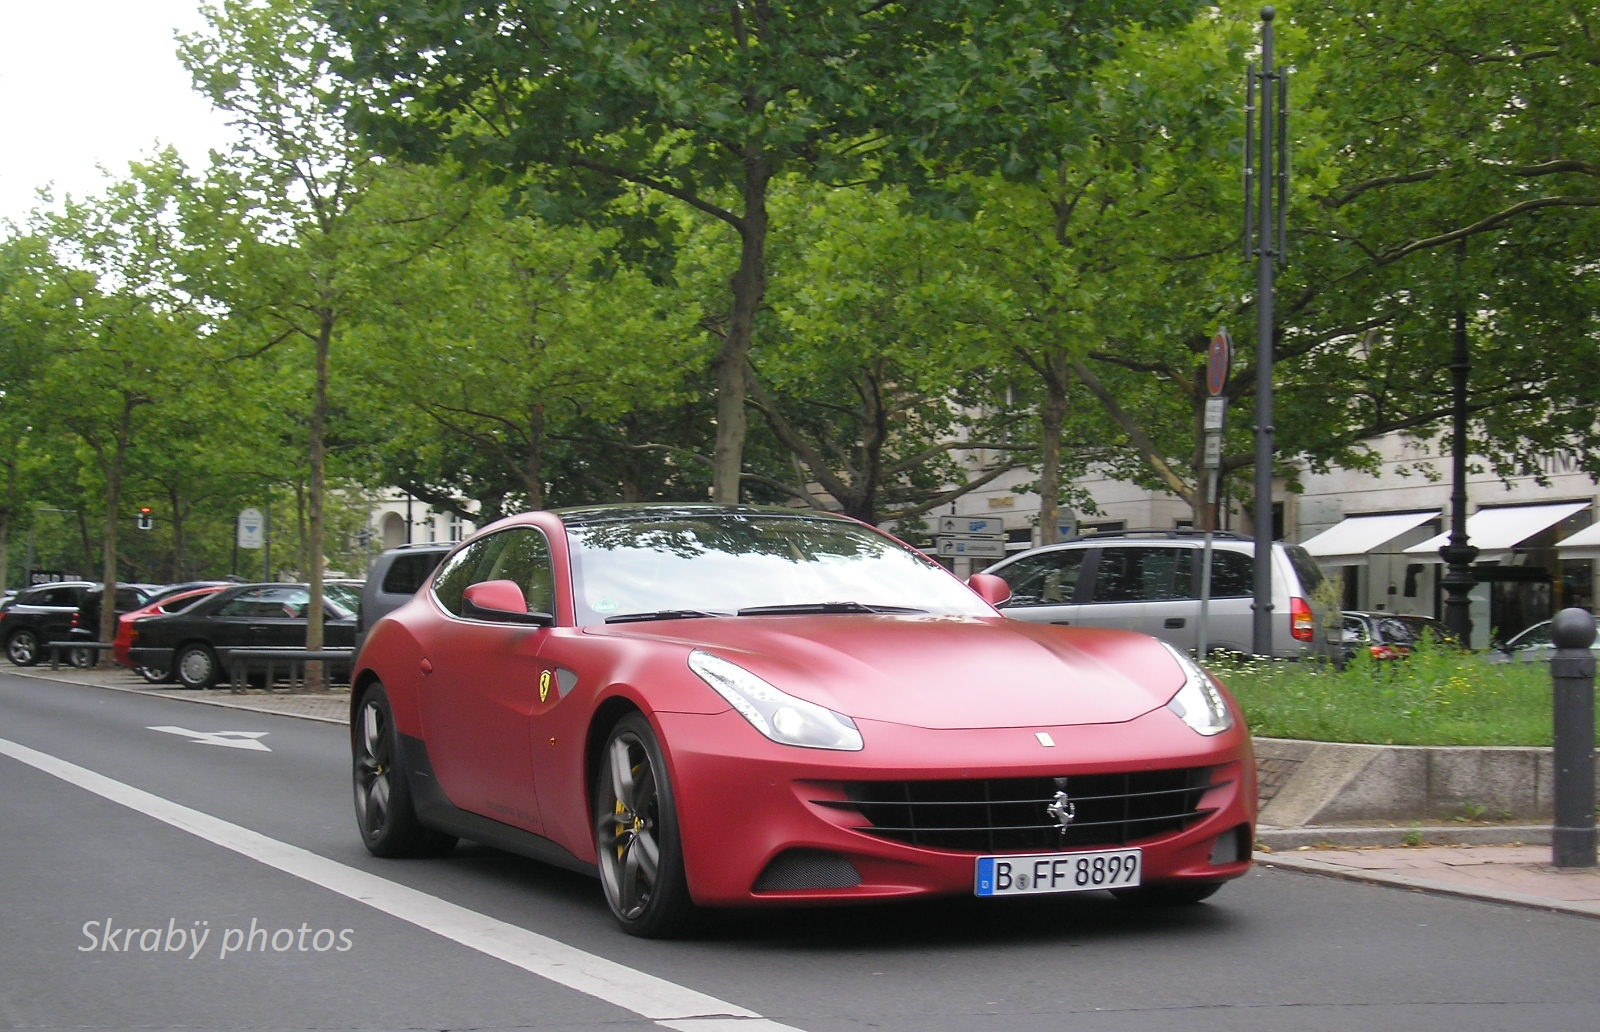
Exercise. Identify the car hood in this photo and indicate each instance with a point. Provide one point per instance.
(943, 672)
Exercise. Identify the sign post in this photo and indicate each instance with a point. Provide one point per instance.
(252, 533)
(1219, 361)
(971, 537)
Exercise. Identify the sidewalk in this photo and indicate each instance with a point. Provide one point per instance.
(1506, 864)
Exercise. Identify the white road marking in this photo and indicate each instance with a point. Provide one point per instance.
(666, 1003)
(226, 739)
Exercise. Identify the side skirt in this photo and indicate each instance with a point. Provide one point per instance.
(435, 809)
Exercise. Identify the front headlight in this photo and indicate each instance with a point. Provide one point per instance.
(1199, 703)
(778, 715)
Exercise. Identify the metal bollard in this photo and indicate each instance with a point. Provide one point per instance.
(1572, 669)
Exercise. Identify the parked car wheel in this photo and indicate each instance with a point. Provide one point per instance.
(384, 810)
(636, 834)
(196, 666)
(84, 659)
(155, 675)
(22, 648)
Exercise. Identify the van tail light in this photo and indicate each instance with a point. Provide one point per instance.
(1302, 623)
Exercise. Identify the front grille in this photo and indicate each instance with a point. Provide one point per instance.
(1011, 814)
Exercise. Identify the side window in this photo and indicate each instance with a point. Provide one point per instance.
(520, 555)
(462, 571)
(260, 603)
(524, 559)
(1045, 578)
(1233, 575)
(1137, 574)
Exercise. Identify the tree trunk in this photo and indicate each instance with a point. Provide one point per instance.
(749, 286)
(1052, 417)
(316, 673)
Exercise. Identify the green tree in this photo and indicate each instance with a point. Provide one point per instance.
(511, 345)
(294, 262)
(705, 106)
(875, 383)
(123, 318)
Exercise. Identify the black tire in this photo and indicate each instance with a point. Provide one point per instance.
(384, 809)
(636, 835)
(1168, 894)
(195, 666)
(84, 659)
(22, 648)
(155, 675)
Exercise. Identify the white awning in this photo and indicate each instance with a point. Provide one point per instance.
(1495, 532)
(1585, 544)
(1349, 542)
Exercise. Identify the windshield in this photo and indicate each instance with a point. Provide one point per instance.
(725, 564)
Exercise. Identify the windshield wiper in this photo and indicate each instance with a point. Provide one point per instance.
(660, 614)
(803, 608)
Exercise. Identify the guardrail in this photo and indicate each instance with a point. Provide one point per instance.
(56, 648)
(292, 661)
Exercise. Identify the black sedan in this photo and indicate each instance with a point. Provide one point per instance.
(1387, 635)
(197, 644)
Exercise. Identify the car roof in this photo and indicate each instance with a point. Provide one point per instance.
(595, 514)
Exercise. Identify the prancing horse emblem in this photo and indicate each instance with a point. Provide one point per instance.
(1062, 809)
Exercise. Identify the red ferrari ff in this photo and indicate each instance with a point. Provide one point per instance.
(732, 707)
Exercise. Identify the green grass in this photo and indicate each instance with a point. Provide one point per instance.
(1439, 696)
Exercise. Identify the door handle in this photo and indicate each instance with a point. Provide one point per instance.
(1174, 622)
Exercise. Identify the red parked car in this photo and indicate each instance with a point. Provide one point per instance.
(736, 707)
(168, 603)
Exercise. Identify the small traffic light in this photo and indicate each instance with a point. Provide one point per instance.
(146, 521)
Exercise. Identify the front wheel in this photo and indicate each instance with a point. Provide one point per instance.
(384, 810)
(22, 648)
(636, 834)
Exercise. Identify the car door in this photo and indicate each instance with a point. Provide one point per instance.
(1146, 588)
(271, 616)
(481, 692)
(1044, 585)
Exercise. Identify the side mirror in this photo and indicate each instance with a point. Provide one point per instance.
(502, 602)
(990, 588)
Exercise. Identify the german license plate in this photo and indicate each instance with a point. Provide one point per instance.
(1031, 874)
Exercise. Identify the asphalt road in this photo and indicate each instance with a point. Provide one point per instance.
(173, 866)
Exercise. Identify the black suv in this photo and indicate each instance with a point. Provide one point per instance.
(60, 612)
(39, 615)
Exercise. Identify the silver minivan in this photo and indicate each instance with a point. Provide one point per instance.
(1150, 581)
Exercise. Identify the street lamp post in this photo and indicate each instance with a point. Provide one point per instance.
(1458, 553)
(1265, 230)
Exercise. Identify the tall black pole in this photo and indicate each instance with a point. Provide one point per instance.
(1458, 554)
(1267, 240)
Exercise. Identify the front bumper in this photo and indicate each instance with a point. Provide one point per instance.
(767, 824)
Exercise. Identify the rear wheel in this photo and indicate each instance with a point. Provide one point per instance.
(636, 834)
(196, 666)
(155, 675)
(384, 810)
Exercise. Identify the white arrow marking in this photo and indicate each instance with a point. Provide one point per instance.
(226, 739)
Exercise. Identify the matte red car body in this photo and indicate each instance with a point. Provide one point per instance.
(512, 717)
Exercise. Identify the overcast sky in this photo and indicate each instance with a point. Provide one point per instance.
(94, 82)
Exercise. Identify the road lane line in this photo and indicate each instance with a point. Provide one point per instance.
(666, 1003)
